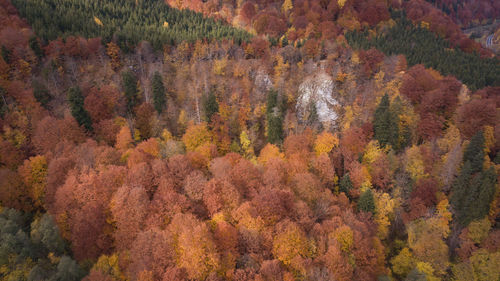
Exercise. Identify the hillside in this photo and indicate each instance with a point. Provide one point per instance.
(246, 140)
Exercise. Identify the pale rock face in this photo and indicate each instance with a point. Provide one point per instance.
(262, 81)
(318, 89)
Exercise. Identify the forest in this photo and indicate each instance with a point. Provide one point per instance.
(128, 22)
(247, 140)
(421, 46)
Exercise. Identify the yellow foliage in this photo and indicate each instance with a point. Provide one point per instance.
(486, 265)
(287, 6)
(165, 24)
(196, 135)
(98, 21)
(348, 117)
(489, 138)
(372, 152)
(355, 58)
(281, 67)
(325, 142)
(341, 77)
(478, 230)
(384, 206)
(403, 263)
(246, 145)
(345, 238)
(443, 217)
(415, 163)
(450, 139)
(219, 67)
(109, 266)
(424, 24)
(166, 135)
(34, 174)
(427, 269)
(341, 3)
(291, 243)
(268, 152)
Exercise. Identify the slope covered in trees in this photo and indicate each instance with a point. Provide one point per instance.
(210, 160)
(129, 22)
(421, 46)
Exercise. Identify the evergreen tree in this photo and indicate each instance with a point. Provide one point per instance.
(385, 124)
(41, 93)
(474, 153)
(210, 105)
(159, 98)
(474, 189)
(366, 202)
(130, 88)
(5, 54)
(35, 46)
(274, 118)
(81, 115)
(345, 185)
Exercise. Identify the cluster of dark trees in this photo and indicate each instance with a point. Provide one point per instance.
(31, 248)
(128, 22)
(422, 46)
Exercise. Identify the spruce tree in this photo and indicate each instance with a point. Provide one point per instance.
(345, 185)
(210, 105)
(366, 202)
(159, 98)
(474, 189)
(274, 118)
(35, 46)
(384, 124)
(130, 88)
(81, 115)
(474, 153)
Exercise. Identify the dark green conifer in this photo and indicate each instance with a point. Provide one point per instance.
(159, 98)
(81, 115)
(366, 202)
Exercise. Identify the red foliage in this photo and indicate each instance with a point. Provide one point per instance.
(247, 12)
(371, 60)
(474, 115)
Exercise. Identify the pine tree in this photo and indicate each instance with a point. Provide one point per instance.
(210, 105)
(81, 115)
(130, 89)
(274, 118)
(385, 124)
(159, 98)
(35, 46)
(366, 202)
(474, 153)
(345, 185)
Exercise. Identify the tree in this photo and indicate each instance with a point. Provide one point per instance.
(274, 119)
(345, 185)
(159, 98)
(385, 124)
(474, 152)
(35, 46)
(474, 189)
(210, 105)
(78, 111)
(366, 202)
(129, 82)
